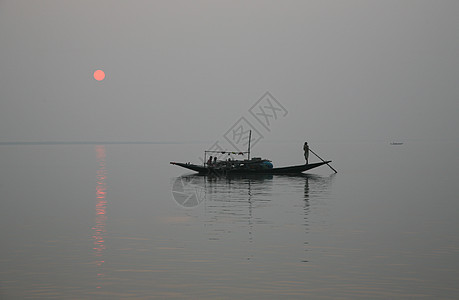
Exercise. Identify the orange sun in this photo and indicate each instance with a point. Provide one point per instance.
(99, 75)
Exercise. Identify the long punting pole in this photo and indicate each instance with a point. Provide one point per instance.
(323, 160)
(250, 137)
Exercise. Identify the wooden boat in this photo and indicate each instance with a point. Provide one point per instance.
(255, 165)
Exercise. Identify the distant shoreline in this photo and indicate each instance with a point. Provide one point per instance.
(96, 143)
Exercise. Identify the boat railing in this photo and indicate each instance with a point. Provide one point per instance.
(206, 152)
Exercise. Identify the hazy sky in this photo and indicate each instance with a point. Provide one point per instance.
(187, 70)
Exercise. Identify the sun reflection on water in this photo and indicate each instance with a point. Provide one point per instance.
(101, 212)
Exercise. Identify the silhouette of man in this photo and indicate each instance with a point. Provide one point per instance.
(306, 152)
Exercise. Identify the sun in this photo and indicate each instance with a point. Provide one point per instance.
(99, 75)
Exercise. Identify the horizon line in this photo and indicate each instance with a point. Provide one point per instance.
(21, 143)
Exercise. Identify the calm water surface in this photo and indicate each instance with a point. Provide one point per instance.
(117, 221)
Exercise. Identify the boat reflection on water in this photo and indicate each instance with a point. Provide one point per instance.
(191, 190)
(253, 203)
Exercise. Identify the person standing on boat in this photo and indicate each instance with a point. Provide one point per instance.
(209, 161)
(306, 152)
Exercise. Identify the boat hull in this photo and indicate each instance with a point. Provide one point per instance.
(219, 171)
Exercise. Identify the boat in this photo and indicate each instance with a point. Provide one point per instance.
(396, 143)
(252, 166)
(255, 165)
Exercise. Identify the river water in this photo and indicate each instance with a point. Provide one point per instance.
(117, 221)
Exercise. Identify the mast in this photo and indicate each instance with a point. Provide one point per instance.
(250, 137)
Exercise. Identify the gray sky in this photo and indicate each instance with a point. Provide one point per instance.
(187, 70)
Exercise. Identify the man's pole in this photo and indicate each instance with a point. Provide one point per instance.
(250, 137)
(323, 160)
